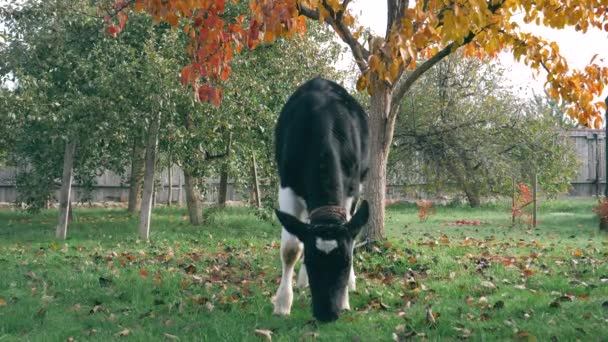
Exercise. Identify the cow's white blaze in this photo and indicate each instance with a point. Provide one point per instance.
(326, 246)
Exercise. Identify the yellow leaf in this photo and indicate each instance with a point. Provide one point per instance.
(374, 63)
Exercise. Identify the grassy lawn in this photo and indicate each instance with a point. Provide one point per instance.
(483, 282)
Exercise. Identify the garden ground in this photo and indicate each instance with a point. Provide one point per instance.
(431, 280)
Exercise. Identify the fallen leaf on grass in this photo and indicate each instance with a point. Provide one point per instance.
(528, 272)
(190, 269)
(143, 273)
(264, 334)
(2, 302)
(123, 333)
(464, 333)
(431, 316)
(524, 335)
(488, 284)
(171, 337)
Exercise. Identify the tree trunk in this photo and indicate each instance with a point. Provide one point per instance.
(473, 198)
(148, 196)
(193, 199)
(381, 130)
(223, 190)
(170, 181)
(136, 179)
(179, 191)
(603, 225)
(66, 190)
(257, 201)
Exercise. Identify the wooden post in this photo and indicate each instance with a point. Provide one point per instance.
(66, 190)
(534, 198)
(256, 183)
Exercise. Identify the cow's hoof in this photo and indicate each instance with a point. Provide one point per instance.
(282, 305)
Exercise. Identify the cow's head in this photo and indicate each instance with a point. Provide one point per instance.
(328, 255)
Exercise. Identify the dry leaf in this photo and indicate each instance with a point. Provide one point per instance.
(2, 302)
(488, 284)
(123, 333)
(171, 337)
(264, 334)
(430, 316)
(190, 269)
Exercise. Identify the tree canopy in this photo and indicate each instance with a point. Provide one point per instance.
(429, 29)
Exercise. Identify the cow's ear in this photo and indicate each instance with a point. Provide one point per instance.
(293, 225)
(359, 219)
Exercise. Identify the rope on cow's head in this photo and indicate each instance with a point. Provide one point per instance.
(328, 212)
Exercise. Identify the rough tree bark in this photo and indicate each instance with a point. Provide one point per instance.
(66, 190)
(150, 164)
(381, 125)
(136, 178)
(193, 198)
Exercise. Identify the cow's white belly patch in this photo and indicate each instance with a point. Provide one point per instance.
(326, 246)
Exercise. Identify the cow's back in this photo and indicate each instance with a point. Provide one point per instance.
(322, 143)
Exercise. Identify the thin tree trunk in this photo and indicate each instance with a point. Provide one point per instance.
(170, 181)
(256, 182)
(193, 199)
(179, 191)
(223, 190)
(66, 190)
(136, 178)
(534, 198)
(148, 196)
(381, 130)
(513, 202)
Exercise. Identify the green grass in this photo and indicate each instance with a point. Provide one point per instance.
(213, 283)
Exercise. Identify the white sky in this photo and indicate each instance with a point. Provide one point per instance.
(576, 47)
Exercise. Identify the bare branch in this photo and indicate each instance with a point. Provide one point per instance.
(360, 54)
(408, 79)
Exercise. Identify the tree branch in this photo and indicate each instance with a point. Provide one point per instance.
(396, 10)
(360, 54)
(407, 80)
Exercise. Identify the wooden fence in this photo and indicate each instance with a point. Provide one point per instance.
(589, 180)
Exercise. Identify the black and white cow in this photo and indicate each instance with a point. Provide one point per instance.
(322, 153)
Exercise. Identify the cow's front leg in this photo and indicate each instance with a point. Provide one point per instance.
(302, 277)
(291, 250)
(345, 304)
(352, 286)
